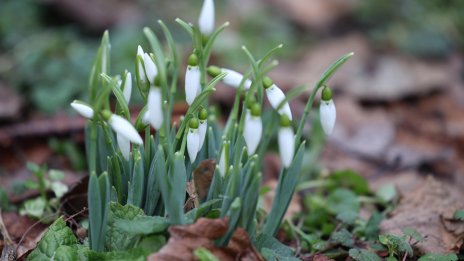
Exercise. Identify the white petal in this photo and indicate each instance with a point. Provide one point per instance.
(275, 96)
(192, 83)
(83, 109)
(124, 128)
(124, 146)
(234, 78)
(146, 117)
(155, 107)
(202, 132)
(252, 132)
(150, 68)
(140, 51)
(127, 88)
(193, 142)
(328, 116)
(286, 145)
(206, 19)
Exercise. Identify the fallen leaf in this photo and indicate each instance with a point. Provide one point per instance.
(10, 103)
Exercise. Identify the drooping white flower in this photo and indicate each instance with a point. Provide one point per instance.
(275, 96)
(253, 128)
(140, 65)
(150, 68)
(327, 111)
(124, 146)
(206, 19)
(286, 141)
(193, 139)
(127, 87)
(202, 117)
(124, 128)
(155, 107)
(83, 109)
(192, 83)
(234, 79)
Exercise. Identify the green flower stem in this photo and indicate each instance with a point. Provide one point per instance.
(313, 184)
(306, 112)
(93, 147)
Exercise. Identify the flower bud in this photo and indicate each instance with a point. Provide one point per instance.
(155, 111)
(83, 109)
(150, 68)
(253, 128)
(286, 141)
(327, 111)
(123, 127)
(206, 19)
(234, 79)
(124, 146)
(275, 96)
(193, 139)
(126, 87)
(192, 80)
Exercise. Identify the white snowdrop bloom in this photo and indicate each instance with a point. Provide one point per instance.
(192, 83)
(124, 128)
(193, 139)
(206, 19)
(150, 68)
(327, 111)
(140, 67)
(124, 146)
(202, 116)
(127, 87)
(286, 141)
(275, 96)
(155, 108)
(83, 109)
(234, 79)
(253, 128)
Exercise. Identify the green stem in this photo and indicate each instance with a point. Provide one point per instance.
(306, 112)
(93, 147)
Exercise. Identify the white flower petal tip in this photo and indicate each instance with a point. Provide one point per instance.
(124, 146)
(193, 142)
(206, 19)
(83, 109)
(234, 79)
(150, 68)
(192, 83)
(222, 163)
(127, 87)
(252, 133)
(328, 115)
(286, 145)
(146, 117)
(124, 128)
(155, 108)
(202, 133)
(275, 96)
(140, 51)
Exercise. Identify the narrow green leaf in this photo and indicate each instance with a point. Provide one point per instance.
(137, 188)
(95, 213)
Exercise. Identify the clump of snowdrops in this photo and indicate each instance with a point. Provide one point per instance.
(155, 172)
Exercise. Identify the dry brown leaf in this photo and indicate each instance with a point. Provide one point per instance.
(321, 258)
(429, 209)
(185, 239)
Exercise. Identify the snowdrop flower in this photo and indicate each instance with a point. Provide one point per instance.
(122, 127)
(202, 116)
(286, 141)
(327, 111)
(206, 19)
(150, 68)
(232, 78)
(155, 111)
(193, 139)
(142, 77)
(192, 79)
(275, 96)
(124, 146)
(126, 87)
(83, 109)
(253, 128)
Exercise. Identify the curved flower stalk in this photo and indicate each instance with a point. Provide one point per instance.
(155, 111)
(232, 78)
(150, 68)
(193, 139)
(206, 19)
(253, 128)
(275, 96)
(203, 117)
(122, 127)
(192, 79)
(328, 113)
(83, 109)
(286, 141)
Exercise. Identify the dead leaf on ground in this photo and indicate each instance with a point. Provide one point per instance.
(10, 103)
(185, 239)
(321, 258)
(429, 209)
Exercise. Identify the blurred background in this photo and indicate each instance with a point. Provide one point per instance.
(400, 99)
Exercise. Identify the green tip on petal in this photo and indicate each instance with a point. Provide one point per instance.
(251, 101)
(106, 114)
(267, 82)
(203, 114)
(214, 71)
(326, 94)
(285, 121)
(194, 123)
(255, 110)
(193, 60)
(157, 80)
